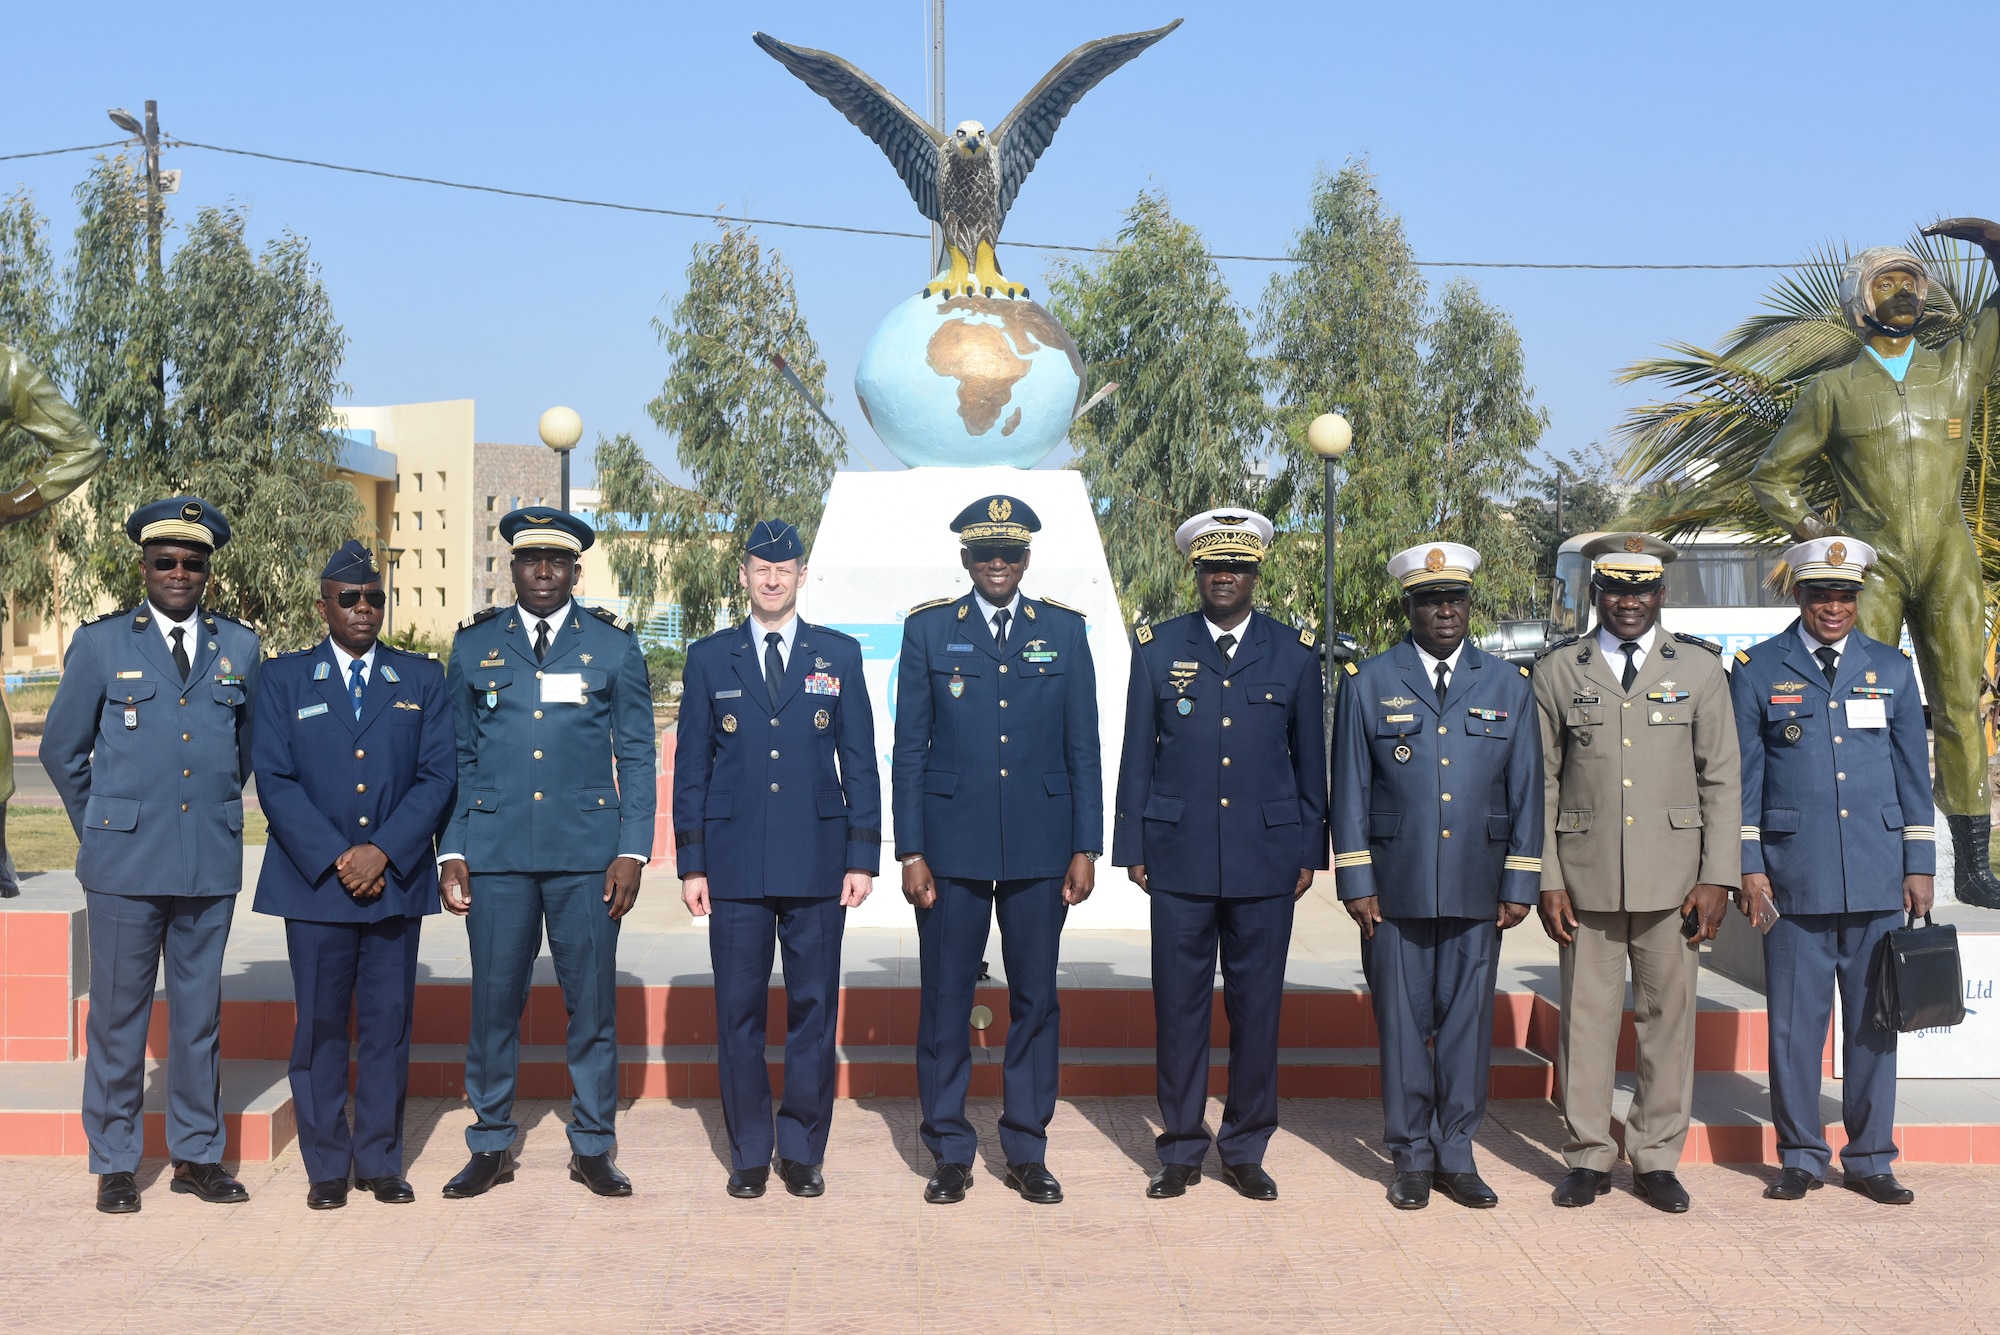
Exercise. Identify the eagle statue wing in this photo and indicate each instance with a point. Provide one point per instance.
(910, 142)
(1030, 126)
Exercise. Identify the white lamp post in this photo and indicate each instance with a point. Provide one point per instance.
(561, 429)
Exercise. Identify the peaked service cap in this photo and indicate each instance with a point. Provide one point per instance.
(993, 520)
(535, 526)
(186, 519)
(1434, 565)
(1227, 533)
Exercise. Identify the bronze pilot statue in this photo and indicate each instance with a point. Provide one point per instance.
(1893, 425)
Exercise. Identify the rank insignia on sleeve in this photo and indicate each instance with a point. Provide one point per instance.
(821, 718)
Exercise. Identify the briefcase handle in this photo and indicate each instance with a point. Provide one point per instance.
(1911, 924)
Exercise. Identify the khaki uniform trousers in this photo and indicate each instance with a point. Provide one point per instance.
(1664, 970)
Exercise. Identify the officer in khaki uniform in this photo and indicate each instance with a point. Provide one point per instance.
(1643, 806)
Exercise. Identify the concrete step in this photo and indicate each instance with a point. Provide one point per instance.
(41, 1109)
(1937, 1121)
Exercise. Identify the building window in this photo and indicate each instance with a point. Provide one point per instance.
(420, 481)
(440, 558)
(420, 595)
(491, 501)
(489, 597)
(440, 479)
(399, 521)
(418, 552)
(399, 597)
(492, 533)
(440, 519)
(420, 519)
(489, 566)
(399, 482)
(440, 593)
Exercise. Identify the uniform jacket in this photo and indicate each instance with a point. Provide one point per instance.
(536, 779)
(1437, 809)
(1835, 824)
(1222, 786)
(776, 801)
(1641, 790)
(151, 769)
(328, 781)
(996, 769)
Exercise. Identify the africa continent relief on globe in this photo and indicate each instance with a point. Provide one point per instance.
(968, 382)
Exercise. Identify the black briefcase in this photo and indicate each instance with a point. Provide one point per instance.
(1918, 982)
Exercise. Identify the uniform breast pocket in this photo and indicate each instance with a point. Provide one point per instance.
(229, 694)
(488, 684)
(1478, 725)
(122, 700)
(1583, 716)
(594, 681)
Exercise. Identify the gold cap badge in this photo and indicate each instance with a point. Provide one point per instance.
(1434, 559)
(1635, 543)
(1000, 510)
(1837, 554)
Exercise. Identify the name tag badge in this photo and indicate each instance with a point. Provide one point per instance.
(131, 676)
(1867, 714)
(729, 695)
(958, 648)
(562, 688)
(309, 711)
(131, 717)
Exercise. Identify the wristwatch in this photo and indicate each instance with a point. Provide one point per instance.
(914, 857)
(1091, 857)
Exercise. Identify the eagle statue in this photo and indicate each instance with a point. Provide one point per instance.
(964, 181)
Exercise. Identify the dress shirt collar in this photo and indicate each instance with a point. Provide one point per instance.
(556, 619)
(1813, 646)
(788, 635)
(1609, 641)
(167, 625)
(1431, 664)
(1239, 630)
(986, 610)
(345, 661)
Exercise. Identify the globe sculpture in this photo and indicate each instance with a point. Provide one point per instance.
(967, 382)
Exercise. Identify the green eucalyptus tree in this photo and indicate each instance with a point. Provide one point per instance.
(1183, 431)
(751, 447)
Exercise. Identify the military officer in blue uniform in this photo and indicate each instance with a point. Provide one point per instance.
(1837, 844)
(1221, 820)
(777, 832)
(356, 764)
(147, 741)
(553, 823)
(1437, 838)
(999, 809)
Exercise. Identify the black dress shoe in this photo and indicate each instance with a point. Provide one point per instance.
(1662, 1190)
(118, 1193)
(1882, 1188)
(597, 1172)
(1468, 1189)
(210, 1182)
(801, 1179)
(948, 1184)
(747, 1184)
(390, 1190)
(1250, 1181)
(1581, 1186)
(328, 1195)
(1410, 1191)
(1792, 1185)
(1037, 1185)
(486, 1170)
(1173, 1180)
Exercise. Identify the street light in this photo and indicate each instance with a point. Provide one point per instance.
(561, 429)
(1329, 436)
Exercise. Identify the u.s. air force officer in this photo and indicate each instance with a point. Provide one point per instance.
(1221, 821)
(1836, 844)
(1437, 837)
(148, 743)
(355, 765)
(999, 807)
(1641, 801)
(777, 832)
(547, 696)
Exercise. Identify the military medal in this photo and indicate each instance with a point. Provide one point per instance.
(1185, 706)
(1869, 678)
(1403, 755)
(821, 718)
(729, 723)
(1793, 732)
(956, 686)
(131, 718)
(1490, 715)
(493, 699)
(222, 663)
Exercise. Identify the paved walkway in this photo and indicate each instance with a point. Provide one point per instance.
(540, 1254)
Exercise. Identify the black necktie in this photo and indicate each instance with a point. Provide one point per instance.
(541, 641)
(1226, 643)
(1441, 675)
(1629, 648)
(181, 653)
(1000, 620)
(774, 665)
(1828, 662)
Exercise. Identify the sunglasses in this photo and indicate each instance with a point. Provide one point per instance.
(347, 598)
(1013, 556)
(194, 565)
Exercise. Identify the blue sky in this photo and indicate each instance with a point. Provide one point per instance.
(1601, 133)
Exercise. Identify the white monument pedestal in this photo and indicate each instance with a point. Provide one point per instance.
(885, 545)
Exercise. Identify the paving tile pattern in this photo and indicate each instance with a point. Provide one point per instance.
(1330, 1255)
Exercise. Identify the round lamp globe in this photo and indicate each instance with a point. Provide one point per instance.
(561, 428)
(1329, 435)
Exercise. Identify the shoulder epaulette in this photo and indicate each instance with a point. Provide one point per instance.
(1563, 643)
(1742, 657)
(483, 614)
(1305, 637)
(1908, 654)
(837, 634)
(1524, 671)
(1144, 634)
(1064, 606)
(609, 617)
(236, 621)
(108, 616)
(925, 607)
(1699, 642)
(1349, 668)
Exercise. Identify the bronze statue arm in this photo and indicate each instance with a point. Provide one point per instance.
(1775, 480)
(1982, 338)
(32, 403)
